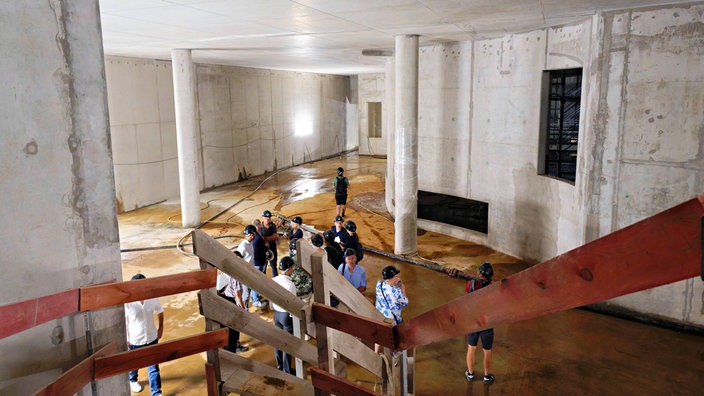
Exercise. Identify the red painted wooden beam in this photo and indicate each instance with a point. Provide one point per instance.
(95, 297)
(159, 353)
(662, 249)
(335, 385)
(24, 315)
(78, 376)
(356, 325)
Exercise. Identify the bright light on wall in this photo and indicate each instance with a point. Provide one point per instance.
(303, 127)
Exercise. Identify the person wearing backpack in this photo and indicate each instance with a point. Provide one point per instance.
(487, 335)
(341, 184)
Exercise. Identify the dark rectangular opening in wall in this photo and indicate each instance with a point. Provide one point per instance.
(460, 212)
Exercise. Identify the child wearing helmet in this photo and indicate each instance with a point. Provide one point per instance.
(487, 335)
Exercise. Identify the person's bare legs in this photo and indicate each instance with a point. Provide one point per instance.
(487, 361)
(470, 358)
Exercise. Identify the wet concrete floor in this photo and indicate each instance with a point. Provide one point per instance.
(569, 353)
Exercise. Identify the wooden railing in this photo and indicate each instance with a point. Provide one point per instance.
(107, 361)
(662, 249)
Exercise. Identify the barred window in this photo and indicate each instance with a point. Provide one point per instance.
(562, 93)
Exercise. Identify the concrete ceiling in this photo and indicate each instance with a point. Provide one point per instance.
(323, 36)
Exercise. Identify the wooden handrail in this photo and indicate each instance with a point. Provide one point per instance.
(338, 285)
(24, 315)
(662, 249)
(220, 310)
(356, 325)
(333, 384)
(137, 358)
(100, 296)
(73, 380)
(212, 251)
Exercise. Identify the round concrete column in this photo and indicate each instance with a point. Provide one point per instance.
(390, 121)
(406, 137)
(184, 100)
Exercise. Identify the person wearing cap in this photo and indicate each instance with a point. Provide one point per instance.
(233, 291)
(339, 231)
(317, 241)
(295, 232)
(391, 294)
(487, 335)
(354, 273)
(351, 241)
(268, 232)
(341, 184)
(332, 249)
(300, 278)
(141, 332)
(283, 319)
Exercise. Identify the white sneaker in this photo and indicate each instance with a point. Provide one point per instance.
(158, 394)
(135, 387)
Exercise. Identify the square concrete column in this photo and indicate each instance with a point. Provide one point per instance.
(184, 100)
(406, 140)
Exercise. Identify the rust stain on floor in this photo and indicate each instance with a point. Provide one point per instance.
(572, 352)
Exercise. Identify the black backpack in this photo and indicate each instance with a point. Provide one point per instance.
(341, 186)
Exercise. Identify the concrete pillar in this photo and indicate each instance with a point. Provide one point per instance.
(406, 137)
(390, 121)
(184, 99)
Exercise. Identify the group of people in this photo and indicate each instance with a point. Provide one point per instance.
(259, 248)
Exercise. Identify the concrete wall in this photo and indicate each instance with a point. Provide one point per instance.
(641, 145)
(59, 229)
(250, 121)
(371, 89)
(649, 132)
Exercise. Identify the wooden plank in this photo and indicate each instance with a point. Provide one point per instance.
(95, 297)
(321, 295)
(335, 385)
(338, 285)
(359, 326)
(20, 316)
(355, 350)
(217, 308)
(211, 381)
(212, 251)
(159, 353)
(250, 384)
(73, 380)
(662, 249)
(230, 362)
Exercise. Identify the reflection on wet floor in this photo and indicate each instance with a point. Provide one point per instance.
(569, 353)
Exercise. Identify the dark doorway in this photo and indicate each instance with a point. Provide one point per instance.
(461, 212)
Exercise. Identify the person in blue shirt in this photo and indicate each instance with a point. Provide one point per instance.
(390, 297)
(391, 294)
(354, 273)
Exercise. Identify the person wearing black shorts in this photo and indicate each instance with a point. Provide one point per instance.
(341, 184)
(486, 335)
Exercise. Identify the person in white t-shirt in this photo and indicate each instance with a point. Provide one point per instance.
(141, 332)
(283, 319)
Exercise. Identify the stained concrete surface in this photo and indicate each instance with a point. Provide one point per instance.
(572, 352)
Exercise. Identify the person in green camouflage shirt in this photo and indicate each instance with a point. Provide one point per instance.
(300, 278)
